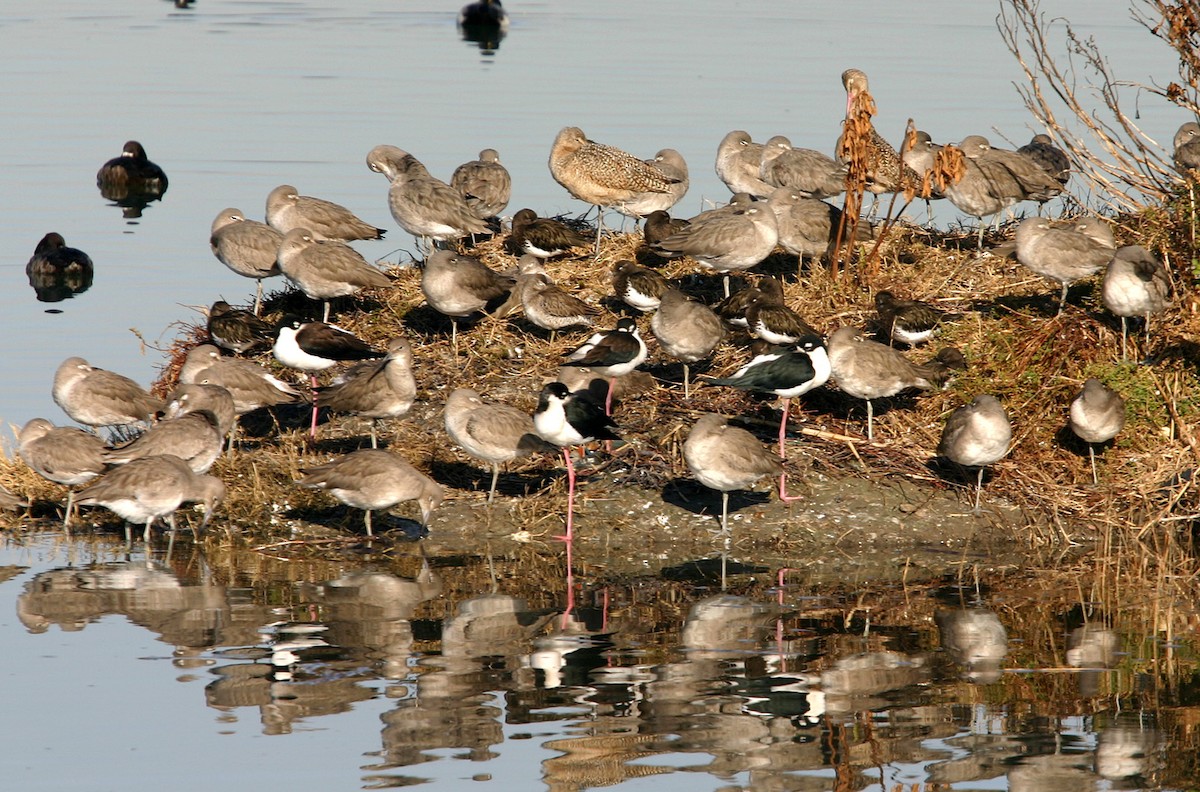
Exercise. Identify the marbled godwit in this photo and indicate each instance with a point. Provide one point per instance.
(672, 165)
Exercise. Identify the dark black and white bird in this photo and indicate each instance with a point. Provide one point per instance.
(53, 257)
(611, 353)
(641, 288)
(1135, 284)
(483, 13)
(788, 372)
(236, 329)
(316, 346)
(567, 419)
(769, 318)
(543, 237)
(910, 322)
(977, 435)
(131, 176)
(1097, 414)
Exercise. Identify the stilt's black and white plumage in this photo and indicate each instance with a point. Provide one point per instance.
(611, 353)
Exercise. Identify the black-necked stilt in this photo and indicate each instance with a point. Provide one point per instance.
(611, 353)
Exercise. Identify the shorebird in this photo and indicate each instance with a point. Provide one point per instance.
(977, 435)
(601, 175)
(1065, 254)
(727, 458)
(493, 433)
(372, 479)
(316, 346)
(53, 257)
(544, 303)
(920, 156)
(97, 397)
(325, 220)
(325, 270)
(910, 322)
(216, 399)
(769, 318)
(10, 501)
(734, 308)
(1097, 414)
(248, 247)
(805, 171)
(422, 205)
(659, 225)
(884, 170)
(671, 164)
(457, 285)
(734, 237)
(1135, 284)
(739, 164)
(1051, 158)
(194, 437)
(611, 354)
(543, 237)
(249, 384)
(788, 372)
(131, 175)
(568, 419)
(62, 454)
(150, 488)
(808, 227)
(686, 330)
(1187, 147)
(638, 287)
(484, 184)
(483, 14)
(235, 329)
(869, 370)
(378, 389)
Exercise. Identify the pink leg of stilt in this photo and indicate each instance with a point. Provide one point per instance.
(783, 496)
(569, 537)
(612, 381)
(313, 431)
(783, 428)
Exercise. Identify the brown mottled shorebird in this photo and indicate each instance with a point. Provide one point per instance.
(672, 165)
(131, 175)
(1051, 158)
(869, 370)
(458, 285)
(492, 433)
(1097, 414)
(375, 389)
(1065, 254)
(10, 501)
(371, 479)
(1135, 284)
(910, 322)
(484, 183)
(731, 238)
(325, 270)
(884, 169)
(62, 454)
(194, 437)
(660, 225)
(153, 487)
(977, 435)
(739, 164)
(686, 330)
(727, 458)
(325, 220)
(543, 237)
(807, 227)
(769, 318)
(235, 329)
(601, 175)
(1187, 147)
(422, 205)
(808, 172)
(638, 287)
(248, 247)
(97, 397)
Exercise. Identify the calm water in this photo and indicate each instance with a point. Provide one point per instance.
(124, 673)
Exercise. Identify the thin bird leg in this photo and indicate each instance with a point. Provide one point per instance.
(783, 428)
(612, 383)
(1092, 454)
(570, 534)
(783, 496)
(367, 522)
(870, 421)
(978, 488)
(1124, 335)
(1062, 300)
(258, 299)
(979, 242)
(313, 431)
(495, 478)
(687, 393)
(374, 438)
(725, 514)
(326, 317)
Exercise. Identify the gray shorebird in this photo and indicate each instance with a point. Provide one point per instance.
(194, 437)
(807, 227)
(731, 238)
(492, 433)
(638, 287)
(10, 501)
(739, 164)
(250, 385)
(484, 183)
(148, 489)
(1097, 414)
(727, 458)
(62, 454)
(686, 330)
(1186, 154)
(247, 247)
(1135, 284)
(672, 165)
(805, 171)
(977, 435)
(216, 399)
(601, 175)
(97, 397)
(458, 285)
(131, 175)
(422, 205)
(325, 270)
(375, 389)
(869, 370)
(371, 479)
(1065, 254)
(325, 220)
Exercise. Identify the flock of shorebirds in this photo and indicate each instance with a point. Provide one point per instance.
(777, 202)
